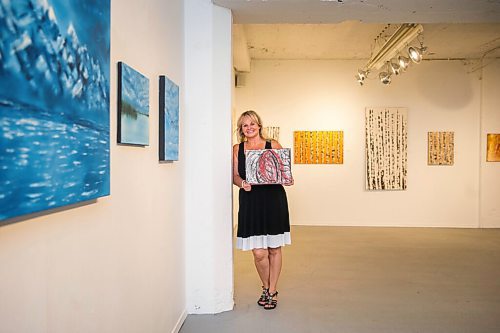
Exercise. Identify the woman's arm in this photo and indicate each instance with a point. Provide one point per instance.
(237, 180)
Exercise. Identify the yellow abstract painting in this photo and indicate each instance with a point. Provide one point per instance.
(493, 148)
(318, 147)
(441, 148)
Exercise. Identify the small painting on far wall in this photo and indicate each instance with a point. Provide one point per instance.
(169, 120)
(133, 106)
(271, 132)
(441, 148)
(268, 166)
(493, 147)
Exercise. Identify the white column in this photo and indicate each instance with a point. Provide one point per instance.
(207, 149)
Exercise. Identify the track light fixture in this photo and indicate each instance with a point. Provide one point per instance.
(404, 62)
(390, 54)
(385, 77)
(415, 54)
(361, 76)
(394, 67)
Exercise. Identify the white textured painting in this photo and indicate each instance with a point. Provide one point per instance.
(268, 166)
(386, 148)
(271, 132)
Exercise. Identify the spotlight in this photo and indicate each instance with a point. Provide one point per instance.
(415, 54)
(403, 62)
(361, 76)
(385, 77)
(395, 67)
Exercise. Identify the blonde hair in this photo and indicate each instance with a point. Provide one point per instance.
(253, 116)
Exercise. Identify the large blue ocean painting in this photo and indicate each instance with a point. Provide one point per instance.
(133, 106)
(54, 103)
(169, 120)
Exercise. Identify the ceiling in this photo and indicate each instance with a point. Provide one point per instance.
(369, 11)
(346, 29)
(355, 40)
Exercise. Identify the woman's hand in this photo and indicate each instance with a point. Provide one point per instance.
(290, 183)
(247, 187)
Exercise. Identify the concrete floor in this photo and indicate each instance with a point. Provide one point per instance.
(357, 280)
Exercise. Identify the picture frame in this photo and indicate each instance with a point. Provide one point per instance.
(133, 106)
(268, 166)
(54, 115)
(169, 120)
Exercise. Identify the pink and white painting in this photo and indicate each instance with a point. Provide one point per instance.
(268, 166)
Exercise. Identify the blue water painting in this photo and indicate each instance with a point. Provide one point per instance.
(54, 104)
(169, 120)
(133, 106)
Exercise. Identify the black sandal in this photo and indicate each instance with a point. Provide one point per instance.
(271, 302)
(263, 297)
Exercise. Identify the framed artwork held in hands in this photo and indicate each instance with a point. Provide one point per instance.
(268, 166)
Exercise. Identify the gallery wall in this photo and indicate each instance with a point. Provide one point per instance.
(117, 264)
(439, 95)
(490, 123)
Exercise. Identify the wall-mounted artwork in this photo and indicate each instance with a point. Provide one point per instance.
(386, 148)
(133, 106)
(54, 104)
(271, 132)
(318, 147)
(493, 148)
(441, 148)
(268, 166)
(169, 120)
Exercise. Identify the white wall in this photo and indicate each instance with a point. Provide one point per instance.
(323, 95)
(208, 158)
(116, 265)
(490, 123)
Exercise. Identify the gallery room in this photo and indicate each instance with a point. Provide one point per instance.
(118, 211)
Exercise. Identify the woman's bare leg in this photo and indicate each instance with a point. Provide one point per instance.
(275, 261)
(261, 260)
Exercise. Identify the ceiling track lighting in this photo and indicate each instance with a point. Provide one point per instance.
(395, 55)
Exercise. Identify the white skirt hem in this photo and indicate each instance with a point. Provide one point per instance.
(263, 241)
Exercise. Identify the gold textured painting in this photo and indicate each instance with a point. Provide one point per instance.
(493, 148)
(271, 132)
(318, 147)
(441, 148)
(386, 148)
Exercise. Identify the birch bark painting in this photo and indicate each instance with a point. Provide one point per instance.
(386, 148)
(318, 147)
(271, 132)
(441, 148)
(493, 148)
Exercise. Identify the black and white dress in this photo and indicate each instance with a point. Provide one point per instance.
(263, 219)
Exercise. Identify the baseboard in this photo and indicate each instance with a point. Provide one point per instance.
(381, 225)
(179, 323)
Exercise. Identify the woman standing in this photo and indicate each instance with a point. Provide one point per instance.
(263, 222)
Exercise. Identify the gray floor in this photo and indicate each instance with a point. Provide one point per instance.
(356, 280)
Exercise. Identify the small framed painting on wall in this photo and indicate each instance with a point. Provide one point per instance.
(493, 147)
(169, 120)
(133, 106)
